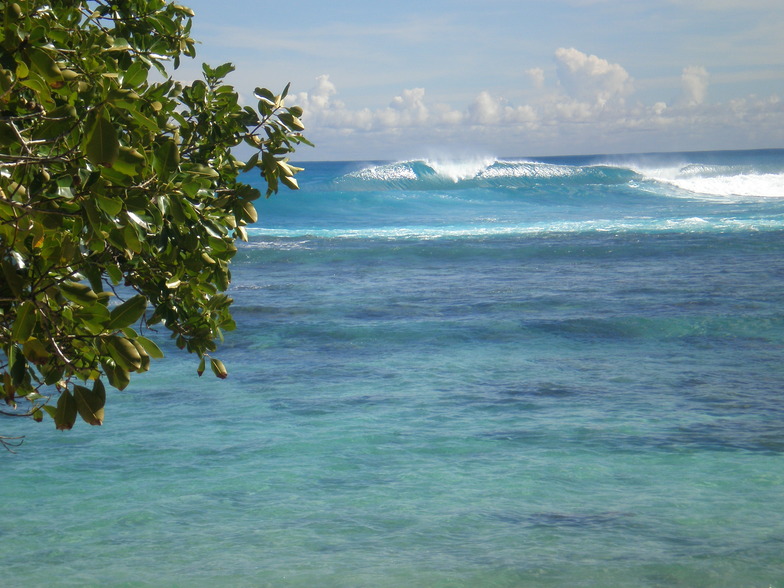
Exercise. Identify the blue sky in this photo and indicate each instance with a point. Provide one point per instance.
(509, 78)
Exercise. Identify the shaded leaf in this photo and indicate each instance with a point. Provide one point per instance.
(124, 353)
(118, 377)
(35, 351)
(128, 312)
(102, 147)
(65, 414)
(81, 294)
(90, 403)
(12, 278)
(25, 322)
(166, 159)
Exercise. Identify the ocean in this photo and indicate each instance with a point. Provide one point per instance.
(498, 372)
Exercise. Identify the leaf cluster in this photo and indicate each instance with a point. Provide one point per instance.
(120, 199)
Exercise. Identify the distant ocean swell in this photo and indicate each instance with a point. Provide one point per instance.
(718, 180)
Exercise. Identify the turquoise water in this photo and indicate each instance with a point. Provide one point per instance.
(493, 373)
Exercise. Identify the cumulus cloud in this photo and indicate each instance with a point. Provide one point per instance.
(590, 102)
(589, 78)
(485, 110)
(409, 109)
(318, 98)
(490, 110)
(694, 85)
(406, 110)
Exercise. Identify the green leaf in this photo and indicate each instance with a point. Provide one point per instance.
(166, 159)
(119, 45)
(12, 277)
(35, 351)
(201, 170)
(127, 313)
(150, 347)
(292, 122)
(131, 238)
(118, 377)
(53, 373)
(254, 159)
(90, 403)
(65, 414)
(135, 75)
(249, 212)
(22, 71)
(221, 71)
(290, 182)
(129, 162)
(124, 353)
(58, 122)
(102, 147)
(43, 63)
(218, 368)
(8, 136)
(80, 294)
(25, 322)
(94, 312)
(264, 94)
(111, 206)
(18, 363)
(143, 354)
(144, 120)
(114, 272)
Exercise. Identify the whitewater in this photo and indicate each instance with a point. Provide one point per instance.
(488, 371)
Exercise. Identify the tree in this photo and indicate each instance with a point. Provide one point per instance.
(120, 199)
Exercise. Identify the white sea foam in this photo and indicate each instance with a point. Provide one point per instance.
(460, 170)
(613, 226)
(749, 185)
(385, 173)
(722, 181)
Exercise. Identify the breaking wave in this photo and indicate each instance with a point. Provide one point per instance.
(489, 173)
(689, 178)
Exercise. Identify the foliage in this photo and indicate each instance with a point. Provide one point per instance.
(120, 202)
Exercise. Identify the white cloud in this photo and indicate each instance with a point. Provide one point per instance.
(407, 109)
(694, 85)
(485, 110)
(589, 110)
(319, 97)
(589, 78)
(659, 108)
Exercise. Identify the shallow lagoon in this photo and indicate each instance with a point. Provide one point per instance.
(426, 391)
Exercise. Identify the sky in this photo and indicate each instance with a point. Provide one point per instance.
(401, 79)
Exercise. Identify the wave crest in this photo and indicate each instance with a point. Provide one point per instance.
(724, 181)
(689, 178)
(492, 173)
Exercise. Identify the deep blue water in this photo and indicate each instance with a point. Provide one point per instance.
(560, 372)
